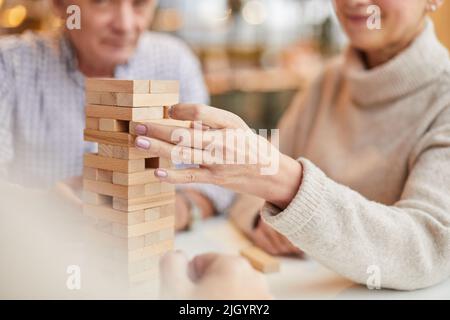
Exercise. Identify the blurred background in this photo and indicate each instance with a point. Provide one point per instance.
(256, 54)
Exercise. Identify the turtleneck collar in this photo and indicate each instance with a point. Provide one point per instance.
(413, 68)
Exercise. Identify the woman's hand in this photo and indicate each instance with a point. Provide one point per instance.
(228, 152)
(211, 276)
(271, 241)
(183, 216)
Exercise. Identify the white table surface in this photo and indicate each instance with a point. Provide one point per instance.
(298, 278)
(40, 237)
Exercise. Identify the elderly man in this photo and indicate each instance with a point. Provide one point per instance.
(42, 90)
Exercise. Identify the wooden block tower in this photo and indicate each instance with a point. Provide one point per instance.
(132, 209)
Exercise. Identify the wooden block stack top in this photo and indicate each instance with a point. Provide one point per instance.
(133, 210)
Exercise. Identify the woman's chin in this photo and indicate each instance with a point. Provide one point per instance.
(366, 43)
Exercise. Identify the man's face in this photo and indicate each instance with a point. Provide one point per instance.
(110, 29)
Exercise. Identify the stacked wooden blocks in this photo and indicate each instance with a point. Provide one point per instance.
(133, 210)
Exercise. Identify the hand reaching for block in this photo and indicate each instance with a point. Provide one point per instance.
(254, 166)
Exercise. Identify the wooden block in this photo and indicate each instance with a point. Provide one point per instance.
(167, 210)
(105, 150)
(112, 164)
(113, 125)
(132, 86)
(124, 192)
(92, 123)
(152, 214)
(153, 189)
(260, 260)
(103, 98)
(166, 234)
(122, 113)
(140, 229)
(131, 153)
(96, 199)
(147, 100)
(116, 85)
(162, 235)
(164, 86)
(105, 212)
(156, 213)
(131, 179)
(164, 122)
(109, 242)
(167, 187)
(97, 174)
(165, 163)
(149, 264)
(144, 202)
(111, 138)
(151, 250)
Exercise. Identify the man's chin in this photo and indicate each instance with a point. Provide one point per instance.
(116, 58)
(117, 55)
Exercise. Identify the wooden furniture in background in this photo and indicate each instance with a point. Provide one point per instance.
(442, 23)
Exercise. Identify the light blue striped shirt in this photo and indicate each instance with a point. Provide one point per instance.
(42, 101)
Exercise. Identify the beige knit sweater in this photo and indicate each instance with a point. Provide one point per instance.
(375, 150)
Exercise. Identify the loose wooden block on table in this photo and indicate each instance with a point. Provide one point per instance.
(117, 165)
(112, 138)
(113, 125)
(132, 86)
(260, 260)
(124, 113)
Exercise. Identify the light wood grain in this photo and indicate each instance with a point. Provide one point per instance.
(112, 164)
(124, 113)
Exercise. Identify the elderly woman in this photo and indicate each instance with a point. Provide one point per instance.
(371, 183)
(42, 91)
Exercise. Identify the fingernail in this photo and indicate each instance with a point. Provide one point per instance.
(141, 129)
(142, 143)
(161, 173)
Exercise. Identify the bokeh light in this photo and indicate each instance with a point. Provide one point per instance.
(13, 17)
(254, 12)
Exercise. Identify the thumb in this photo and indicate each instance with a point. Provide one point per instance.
(174, 276)
(202, 263)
